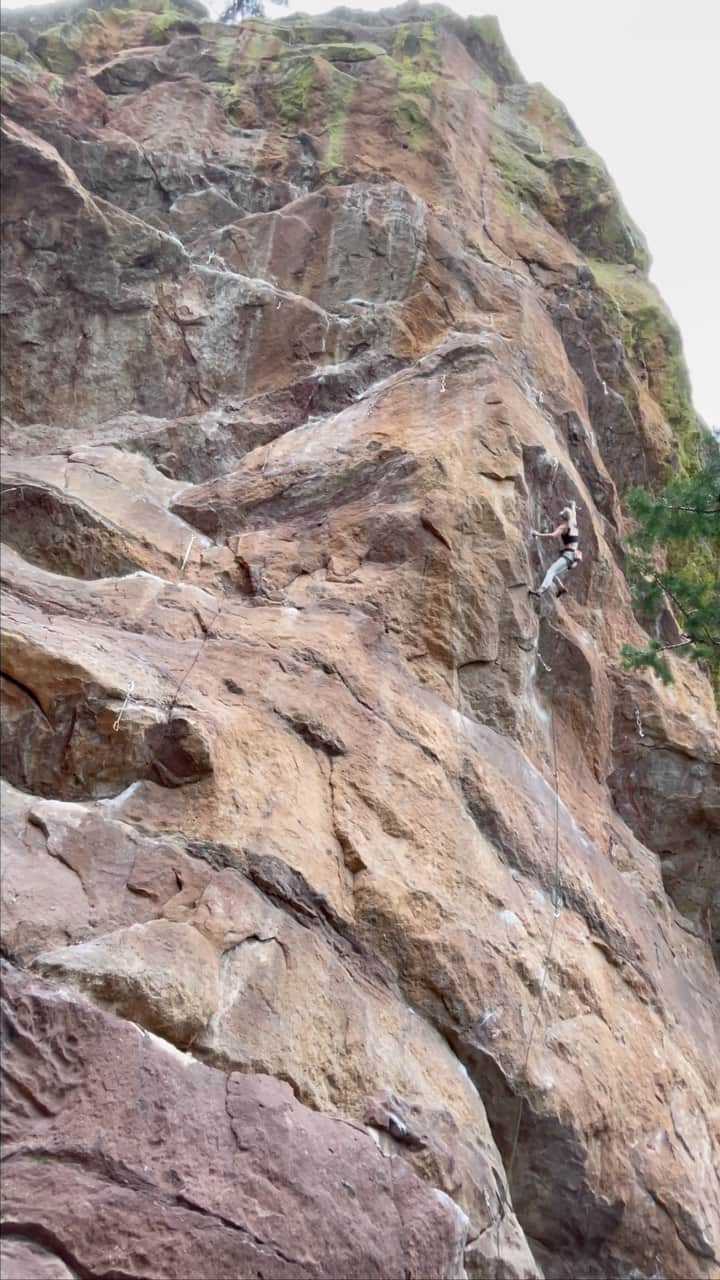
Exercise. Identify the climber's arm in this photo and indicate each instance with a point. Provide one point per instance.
(555, 533)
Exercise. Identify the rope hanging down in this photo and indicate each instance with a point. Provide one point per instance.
(546, 962)
(551, 940)
(169, 706)
(207, 635)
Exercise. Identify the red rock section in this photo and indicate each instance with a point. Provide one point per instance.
(197, 1172)
(406, 886)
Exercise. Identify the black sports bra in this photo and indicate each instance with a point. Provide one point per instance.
(570, 539)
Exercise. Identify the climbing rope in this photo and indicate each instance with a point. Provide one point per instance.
(222, 602)
(546, 964)
(170, 705)
(551, 940)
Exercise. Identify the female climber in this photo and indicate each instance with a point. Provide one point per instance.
(570, 555)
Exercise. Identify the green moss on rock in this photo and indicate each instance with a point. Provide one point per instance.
(147, 6)
(338, 96)
(291, 89)
(163, 26)
(13, 46)
(303, 74)
(61, 48)
(66, 46)
(312, 33)
(524, 174)
(224, 49)
(189, 8)
(486, 43)
(58, 49)
(257, 42)
(544, 161)
(11, 74)
(594, 215)
(347, 52)
(229, 98)
(486, 87)
(546, 115)
(653, 343)
(415, 55)
(238, 57)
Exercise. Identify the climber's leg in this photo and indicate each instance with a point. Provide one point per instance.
(559, 566)
(560, 588)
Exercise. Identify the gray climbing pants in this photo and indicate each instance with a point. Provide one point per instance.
(557, 568)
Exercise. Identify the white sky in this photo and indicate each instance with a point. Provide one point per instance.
(640, 79)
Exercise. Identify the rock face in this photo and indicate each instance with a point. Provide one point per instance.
(358, 914)
(214, 1194)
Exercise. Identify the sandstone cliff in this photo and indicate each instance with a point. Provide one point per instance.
(357, 913)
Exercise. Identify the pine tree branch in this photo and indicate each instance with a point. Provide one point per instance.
(681, 644)
(686, 613)
(698, 511)
(666, 590)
